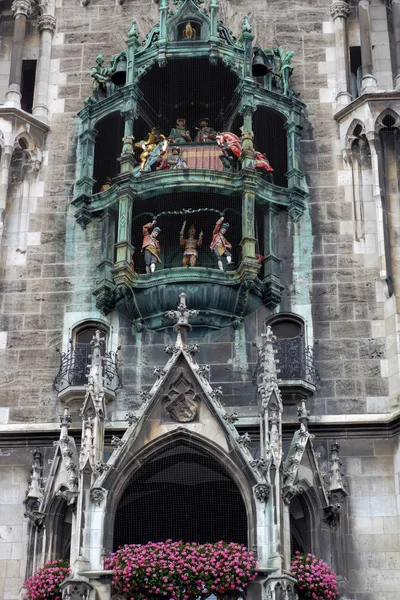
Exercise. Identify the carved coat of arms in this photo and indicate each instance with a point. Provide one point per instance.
(181, 402)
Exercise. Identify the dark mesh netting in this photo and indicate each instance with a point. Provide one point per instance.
(270, 139)
(182, 494)
(187, 88)
(209, 207)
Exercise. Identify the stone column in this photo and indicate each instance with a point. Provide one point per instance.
(396, 27)
(21, 10)
(368, 80)
(47, 25)
(339, 13)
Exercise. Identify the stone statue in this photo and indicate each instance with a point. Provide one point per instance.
(174, 161)
(179, 134)
(285, 68)
(205, 133)
(153, 138)
(219, 244)
(151, 246)
(102, 81)
(190, 244)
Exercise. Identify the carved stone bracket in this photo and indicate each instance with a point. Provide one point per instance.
(339, 9)
(289, 492)
(116, 442)
(244, 441)
(75, 590)
(47, 22)
(101, 467)
(131, 418)
(262, 491)
(97, 495)
(21, 7)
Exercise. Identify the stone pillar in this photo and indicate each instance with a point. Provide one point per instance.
(21, 10)
(396, 27)
(368, 80)
(123, 271)
(339, 13)
(47, 25)
(127, 159)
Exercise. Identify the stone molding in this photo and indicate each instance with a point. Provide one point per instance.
(47, 22)
(339, 9)
(21, 7)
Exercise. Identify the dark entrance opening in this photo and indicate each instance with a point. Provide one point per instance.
(300, 535)
(28, 84)
(270, 139)
(182, 494)
(108, 148)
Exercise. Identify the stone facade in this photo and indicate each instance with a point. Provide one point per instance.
(339, 264)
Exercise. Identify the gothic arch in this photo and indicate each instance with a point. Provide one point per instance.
(117, 479)
(380, 121)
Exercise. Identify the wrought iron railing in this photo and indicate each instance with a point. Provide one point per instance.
(74, 368)
(296, 360)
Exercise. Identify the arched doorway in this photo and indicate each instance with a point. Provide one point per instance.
(184, 494)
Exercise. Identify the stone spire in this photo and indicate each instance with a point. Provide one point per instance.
(35, 492)
(182, 315)
(67, 446)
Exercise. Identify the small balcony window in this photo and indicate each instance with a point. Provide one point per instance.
(75, 363)
(296, 360)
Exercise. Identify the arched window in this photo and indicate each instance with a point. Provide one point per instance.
(81, 339)
(300, 526)
(290, 346)
(108, 148)
(270, 139)
(59, 523)
(75, 362)
(184, 494)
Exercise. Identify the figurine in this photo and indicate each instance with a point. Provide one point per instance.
(101, 78)
(153, 138)
(107, 184)
(174, 161)
(179, 134)
(231, 147)
(205, 133)
(261, 162)
(285, 68)
(151, 246)
(188, 32)
(190, 253)
(220, 245)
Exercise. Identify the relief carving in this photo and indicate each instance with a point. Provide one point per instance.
(181, 401)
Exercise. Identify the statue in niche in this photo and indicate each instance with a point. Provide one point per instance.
(102, 82)
(220, 245)
(148, 146)
(151, 246)
(179, 134)
(204, 132)
(285, 68)
(188, 32)
(106, 186)
(190, 244)
(174, 161)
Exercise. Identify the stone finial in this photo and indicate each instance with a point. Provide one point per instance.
(336, 482)
(339, 9)
(35, 480)
(246, 28)
(95, 376)
(182, 315)
(267, 373)
(65, 421)
(303, 415)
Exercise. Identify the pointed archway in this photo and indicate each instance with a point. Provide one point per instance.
(181, 493)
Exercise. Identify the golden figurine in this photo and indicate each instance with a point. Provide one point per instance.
(189, 33)
(153, 138)
(190, 244)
